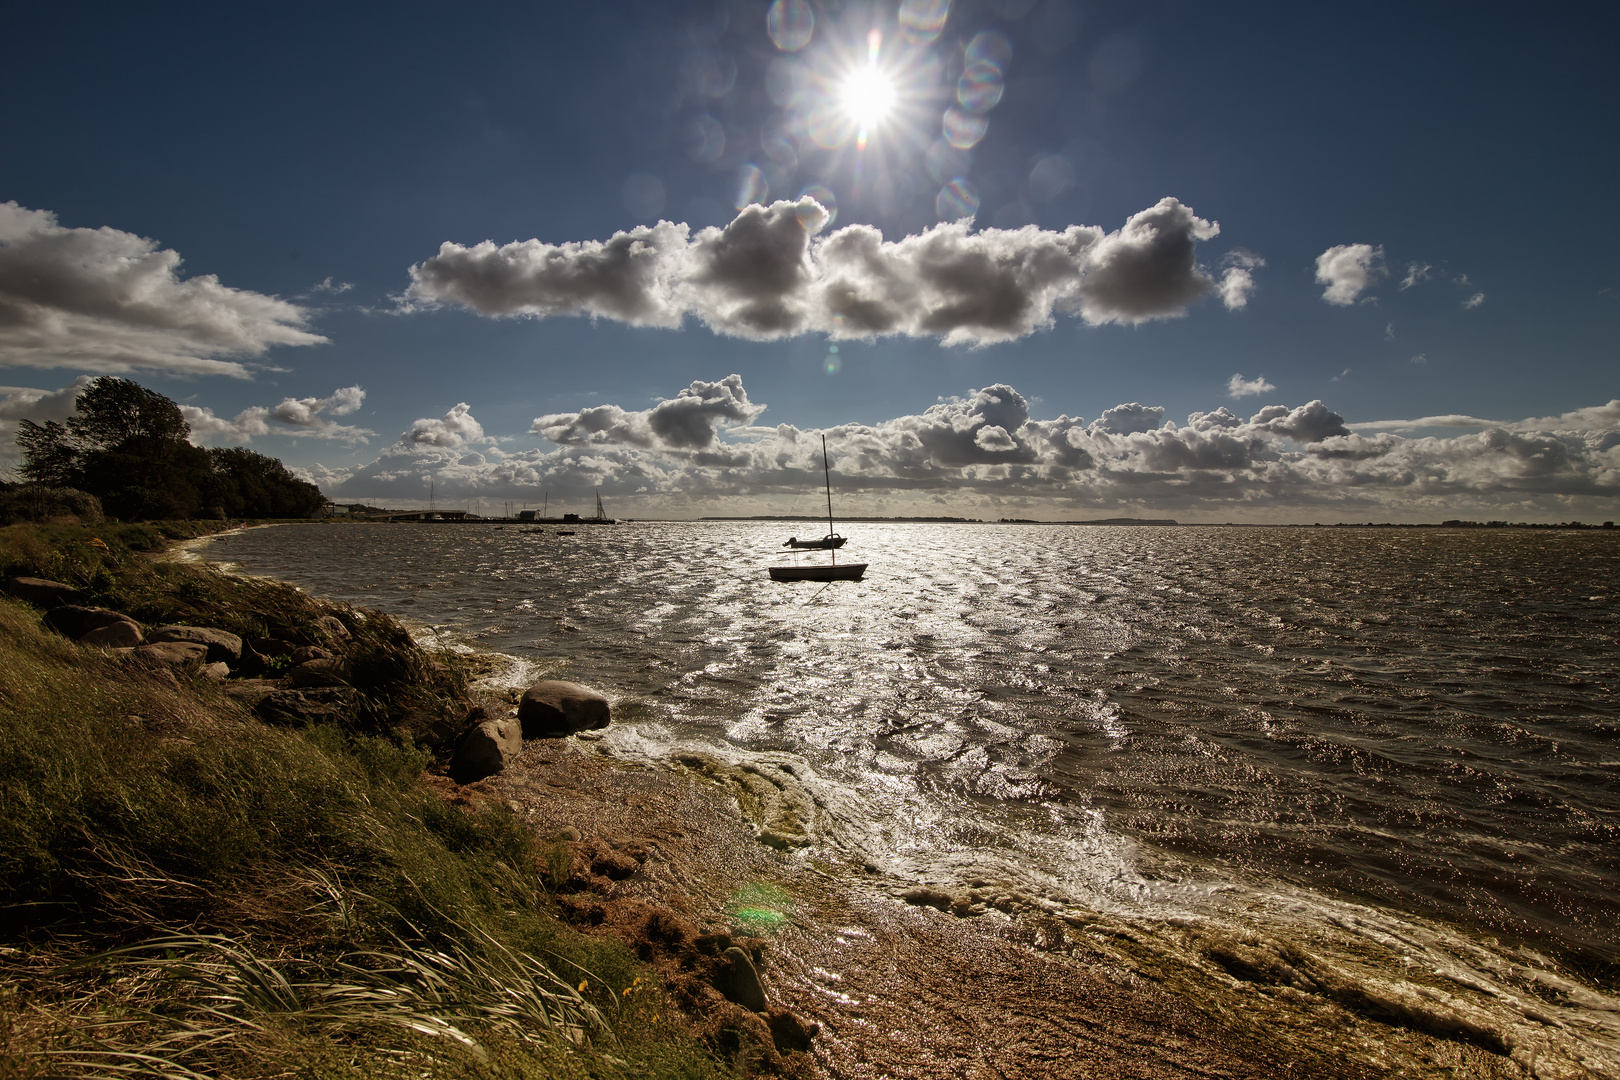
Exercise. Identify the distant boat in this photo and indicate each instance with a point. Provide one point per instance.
(601, 514)
(831, 571)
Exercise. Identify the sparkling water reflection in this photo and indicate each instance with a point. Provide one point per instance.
(1426, 718)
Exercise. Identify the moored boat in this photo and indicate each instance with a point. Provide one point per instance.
(828, 571)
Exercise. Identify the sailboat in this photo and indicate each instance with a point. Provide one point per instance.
(833, 571)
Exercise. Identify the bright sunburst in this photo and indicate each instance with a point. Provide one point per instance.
(868, 93)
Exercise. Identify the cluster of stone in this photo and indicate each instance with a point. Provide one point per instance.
(185, 650)
(548, 710)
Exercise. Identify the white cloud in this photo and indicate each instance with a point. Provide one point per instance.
(1416, 273)
(1348, 270)
(1474, 301)
(451, 431)
(1238, 387)
(1238, 281)
(298, 417)
(976, 451)
(113, 302)
(1421, 360)
(768, 275)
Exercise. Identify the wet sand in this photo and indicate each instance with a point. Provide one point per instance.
(905, 990)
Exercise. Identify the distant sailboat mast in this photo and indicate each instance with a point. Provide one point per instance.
(826, 474)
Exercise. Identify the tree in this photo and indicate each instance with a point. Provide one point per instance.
(255, 485)
(130, 447)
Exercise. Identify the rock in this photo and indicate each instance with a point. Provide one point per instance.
(123, 634)
(74, 622)
(41, 592)
(554, 708)
(486, 750)
(332, 628)
(185, 657)
(305, 706)
(789, 1032)
(218, 671)
(305, 653)
(739, 982)
(321, 671)
(270, 646)
(222, 645)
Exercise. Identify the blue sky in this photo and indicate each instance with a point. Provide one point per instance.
(1410, 201)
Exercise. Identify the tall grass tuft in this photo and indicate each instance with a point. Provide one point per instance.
(185, 891)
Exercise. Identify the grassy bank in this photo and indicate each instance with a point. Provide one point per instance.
(190, 891)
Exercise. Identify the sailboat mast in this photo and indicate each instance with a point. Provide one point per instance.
(826, 474)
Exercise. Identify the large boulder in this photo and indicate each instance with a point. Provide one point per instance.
(184, 657)
(738, 980)
(332, 629)
(122, 634)
(73, 621)
(321, 671)
(553, 709)
(223, 646)
(41, 592)
(486, 750)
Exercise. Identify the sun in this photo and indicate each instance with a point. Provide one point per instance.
(867, 95)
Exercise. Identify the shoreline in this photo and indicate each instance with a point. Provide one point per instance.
(1250, 986)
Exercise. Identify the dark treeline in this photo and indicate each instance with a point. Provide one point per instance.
(128, 446)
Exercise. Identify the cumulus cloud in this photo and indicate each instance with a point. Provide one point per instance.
(687, 421)
(1238, 387)
(451, 431)
(1474, 301)
(983, 450)
(1348, 270)
(299, 417)
(768, 274)
(113, 302)
(1238, 280)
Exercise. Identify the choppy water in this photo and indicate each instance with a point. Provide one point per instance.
(1422, 721)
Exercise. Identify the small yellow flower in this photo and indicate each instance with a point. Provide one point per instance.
(582, 984)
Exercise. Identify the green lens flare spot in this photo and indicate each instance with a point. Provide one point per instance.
(759, 908)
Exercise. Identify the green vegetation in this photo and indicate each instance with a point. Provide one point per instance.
(128, 447)
(188, 891)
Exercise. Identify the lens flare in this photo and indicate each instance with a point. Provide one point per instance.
(752, 187)
(922, 20)
(963, 130)
(980, 88)
(790, 24)
(957, 199)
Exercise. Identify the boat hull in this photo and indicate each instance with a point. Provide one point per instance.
(815, 545)
(832, 572)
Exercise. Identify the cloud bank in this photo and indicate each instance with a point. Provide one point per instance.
(704, 452)
(112, 302)
(299, 417)
(769, 275)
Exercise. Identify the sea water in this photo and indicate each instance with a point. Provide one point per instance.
(1407, 735)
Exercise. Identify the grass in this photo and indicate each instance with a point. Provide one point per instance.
(187, 891)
